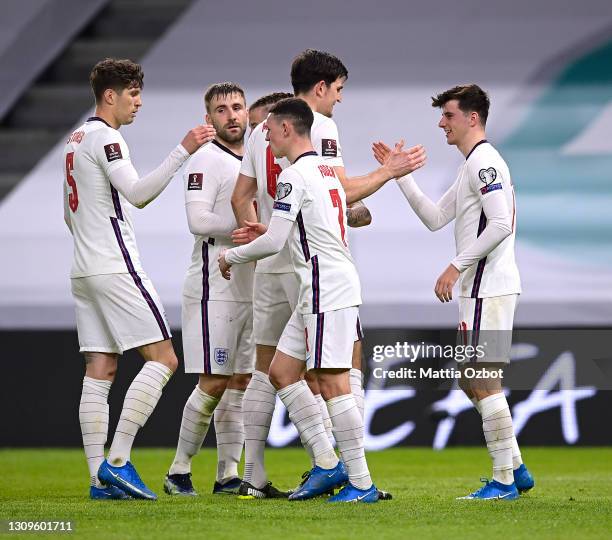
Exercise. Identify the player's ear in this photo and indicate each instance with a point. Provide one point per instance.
(320, 88)
(109, 96)
(207, 118)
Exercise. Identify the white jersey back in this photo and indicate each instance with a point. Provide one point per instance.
(211, 175)
(104, 241)
(483, 173)
(310, 193)
(260, 163)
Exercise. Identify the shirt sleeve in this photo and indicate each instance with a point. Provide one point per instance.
(114, 159)
(290, 195)
(326, 143)
(433, 215)
(247, 166)
(487, 180)
(267, 244)
(202, 184)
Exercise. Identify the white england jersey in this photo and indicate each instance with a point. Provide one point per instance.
(485, 174)
(211, 175)
(260, 163)
(104, 241)
(310, 194)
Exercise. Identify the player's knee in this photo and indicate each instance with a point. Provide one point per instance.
(213, 385)
(240, 381)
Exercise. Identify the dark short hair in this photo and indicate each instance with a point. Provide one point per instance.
(297, 111)
(221, 90)
(311, 66)
(116, 74)
(471, 98)
(269, 99)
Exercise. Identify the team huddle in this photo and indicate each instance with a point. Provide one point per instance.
(271, 297)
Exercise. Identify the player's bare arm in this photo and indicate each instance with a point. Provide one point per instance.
(358, 215)
(242, 200)
(399, 162)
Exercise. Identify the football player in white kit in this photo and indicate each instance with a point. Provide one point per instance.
(259, 109)
(482, 203)
(318, 78)
(217, 314)
(309, 216)
(117, 307)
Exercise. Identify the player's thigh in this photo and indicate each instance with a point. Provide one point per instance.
(210, 335)
(330, 338)
(271, 308)
(357, 347)
(94, 334)
(292, 345)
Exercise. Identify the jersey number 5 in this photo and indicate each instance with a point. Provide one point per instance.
(73, 198)
(337, 202)
(273, 169)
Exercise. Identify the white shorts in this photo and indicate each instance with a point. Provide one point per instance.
(274, 299)
(488, 322)
(323, 340)
(117, 312)
(217, 337)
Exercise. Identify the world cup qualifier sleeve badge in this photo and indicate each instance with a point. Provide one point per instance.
(488, 177)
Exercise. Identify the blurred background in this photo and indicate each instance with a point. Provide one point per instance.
(547, 68)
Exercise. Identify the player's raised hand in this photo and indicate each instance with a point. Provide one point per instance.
(224, 267)
(401, 162)
(198, 136)
(444, 285)
(381, 152)
(247, 234)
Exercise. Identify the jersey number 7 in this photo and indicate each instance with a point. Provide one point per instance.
(337, 202)
(73, 198)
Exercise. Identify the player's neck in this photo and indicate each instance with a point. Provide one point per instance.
(471, 140)
(311, 100)
(300, 147)
(107, 117)
(236, 147)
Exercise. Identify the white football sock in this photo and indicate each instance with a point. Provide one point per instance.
(257, 408)
(93, 416)
(196, 419)
(498, 432)
(356, 380)
(230, 434)
(517, 460)
(306, 417)
(348, 431)
(326, 420)
(140, 400)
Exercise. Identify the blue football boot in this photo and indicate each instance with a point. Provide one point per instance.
(125, 478)
(107, 493)
(320, 481)
(350, 493)
(493, 490)
(230, 487)
(523, 479)
(179, 484)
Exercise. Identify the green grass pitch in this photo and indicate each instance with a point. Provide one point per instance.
(572, 498)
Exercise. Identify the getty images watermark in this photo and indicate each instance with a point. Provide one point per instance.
(420, 352)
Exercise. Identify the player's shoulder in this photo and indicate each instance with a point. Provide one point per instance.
(484, 156)
(213, 155)
(321, 122)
